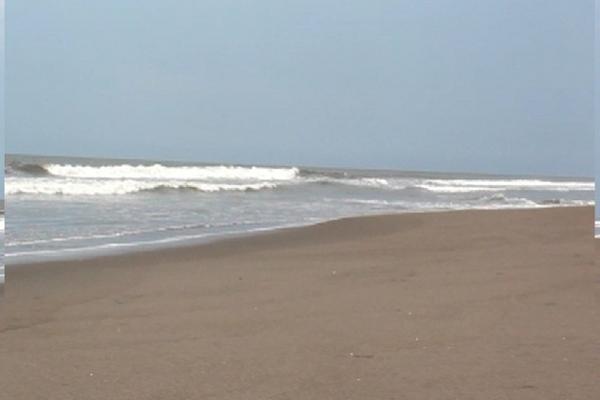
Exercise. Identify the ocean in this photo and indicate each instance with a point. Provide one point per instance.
(60, 208)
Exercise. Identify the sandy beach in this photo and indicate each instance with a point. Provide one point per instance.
(457, 305)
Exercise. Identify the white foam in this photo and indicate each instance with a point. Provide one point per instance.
(376, 183)
(486, 185)
(91, 187)
(162, 172)
(449, 186)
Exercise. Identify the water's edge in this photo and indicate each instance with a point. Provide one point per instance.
(175, 245)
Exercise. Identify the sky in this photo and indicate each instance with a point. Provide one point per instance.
(2, 122)
(476, 86)
(597, 107)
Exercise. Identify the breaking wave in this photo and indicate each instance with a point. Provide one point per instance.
(488, 185)
(16, 168)
(456, 186)
(157, 171)
(72, 179)
(91, 187)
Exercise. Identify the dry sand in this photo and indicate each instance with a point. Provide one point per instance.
(458, 305)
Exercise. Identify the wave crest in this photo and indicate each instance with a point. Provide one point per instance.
(159, 171)
(26, 169)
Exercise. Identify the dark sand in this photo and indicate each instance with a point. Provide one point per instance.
(460, 305)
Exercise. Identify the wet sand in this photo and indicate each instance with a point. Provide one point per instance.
(457, 305)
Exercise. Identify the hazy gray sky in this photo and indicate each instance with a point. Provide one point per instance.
(597, 105)
(471, 85)
(2, 122)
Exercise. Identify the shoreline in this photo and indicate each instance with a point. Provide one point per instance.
(466, 304)
(159, 245)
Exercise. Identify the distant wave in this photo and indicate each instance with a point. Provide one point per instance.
(67, 179)
(488, 185)
(453, 186)
(159, 171)
(17, 168)
(378, 183)
(53, 185)
(90, 187)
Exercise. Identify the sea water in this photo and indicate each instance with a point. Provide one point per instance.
(73, 207)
